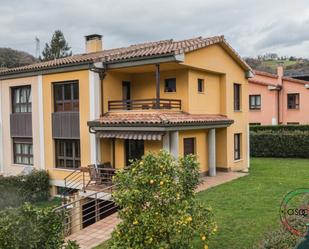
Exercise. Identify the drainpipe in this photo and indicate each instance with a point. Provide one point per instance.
(279, 88)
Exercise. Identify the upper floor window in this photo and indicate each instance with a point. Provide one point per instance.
(200, 85)
(237, 146)
(293, 101)
(255, 102)
(170, 85)
(23, 151)
(66, 97)
(67, 153)
(237, 97)
(21, 99)
(189, 146)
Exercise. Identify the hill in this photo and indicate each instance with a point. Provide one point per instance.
(292, 65)
(14, 58)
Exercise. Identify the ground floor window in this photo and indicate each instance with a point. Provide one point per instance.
(23, 151)
(67, 153)
(189, 146)
(237, 146)
(253, 124)
(134, 150)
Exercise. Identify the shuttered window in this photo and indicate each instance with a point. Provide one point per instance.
(67, 153)
(237, 98)
(189, 146)
(21, 99)
(66, 97)
(237, 146)
(23, 151)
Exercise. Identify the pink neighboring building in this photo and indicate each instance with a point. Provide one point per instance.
(276, 99)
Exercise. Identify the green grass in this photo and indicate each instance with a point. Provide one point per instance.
(248, 207)
(274, 63)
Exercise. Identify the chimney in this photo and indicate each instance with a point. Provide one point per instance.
(93, 43)
(280, 73)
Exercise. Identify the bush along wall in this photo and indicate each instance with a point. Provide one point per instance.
(33, 228)
(279, 141)
(15, 190)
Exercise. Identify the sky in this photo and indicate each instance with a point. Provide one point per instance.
(252, 27)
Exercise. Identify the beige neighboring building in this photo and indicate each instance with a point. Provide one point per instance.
(21, 125)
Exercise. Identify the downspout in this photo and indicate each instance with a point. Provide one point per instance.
(278, 103)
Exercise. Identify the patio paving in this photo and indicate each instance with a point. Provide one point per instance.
(99, 232)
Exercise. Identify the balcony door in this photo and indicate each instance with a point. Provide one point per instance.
(134, 149)
(126, 93)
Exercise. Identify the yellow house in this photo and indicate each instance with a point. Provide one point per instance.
(108, 106)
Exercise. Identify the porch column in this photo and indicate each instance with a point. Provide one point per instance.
(157, 86)
(166, 142)
(174, 135)
(212, 152)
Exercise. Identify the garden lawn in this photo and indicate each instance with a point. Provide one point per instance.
(248, 207)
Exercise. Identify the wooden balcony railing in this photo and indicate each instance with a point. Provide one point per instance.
(144, 104)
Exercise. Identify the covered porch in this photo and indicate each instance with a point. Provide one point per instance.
(124, 137)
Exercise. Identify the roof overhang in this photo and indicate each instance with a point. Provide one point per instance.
(144, 61)
(95, 126)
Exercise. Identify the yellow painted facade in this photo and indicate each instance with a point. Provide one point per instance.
(83, 82)
(213, 64)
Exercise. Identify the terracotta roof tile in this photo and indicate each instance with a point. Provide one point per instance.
(265, 74)
(134, 51)
(261, 82)
(295, 80)
(159, 118)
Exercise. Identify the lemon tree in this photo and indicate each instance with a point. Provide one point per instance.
(158, 205)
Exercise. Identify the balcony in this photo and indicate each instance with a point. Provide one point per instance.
(144, 104)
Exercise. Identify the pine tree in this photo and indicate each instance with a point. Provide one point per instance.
(58, 47)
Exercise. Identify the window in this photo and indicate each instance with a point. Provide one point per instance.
(21, 99)
(253, 124)
(293, 101)
(67, 154)
(170, 85)
(255, 102)
(292, 123)
(23, 151)
(200, 85)
(189, 146)
(237, 92)
(237, 148)
(66, 97)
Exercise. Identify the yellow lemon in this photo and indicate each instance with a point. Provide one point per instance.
(151, 181)
(203, 237)
(206, 247)
(135, 222)
(161, 183)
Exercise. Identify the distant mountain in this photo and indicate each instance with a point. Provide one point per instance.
(293, 66)
(14, 58)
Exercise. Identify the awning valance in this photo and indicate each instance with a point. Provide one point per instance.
(135, 135)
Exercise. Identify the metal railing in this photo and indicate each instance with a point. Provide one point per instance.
(87, 210)
(144, 104)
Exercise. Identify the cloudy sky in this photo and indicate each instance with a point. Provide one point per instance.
(252, 27)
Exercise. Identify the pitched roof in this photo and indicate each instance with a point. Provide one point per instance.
(295, 80)
(158, 118)
(163, 47)
(261, 82)
(263, 73)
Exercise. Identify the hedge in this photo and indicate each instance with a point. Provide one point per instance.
(30, 227)
(15, 190)
(257, 128)
(280, 142)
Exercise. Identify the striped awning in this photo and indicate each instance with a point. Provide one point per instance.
(135, 135)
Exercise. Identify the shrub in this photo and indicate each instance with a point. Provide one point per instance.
(159, 209)
(279, 143)
(15, 190)
(279, 239)
(32, 228)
